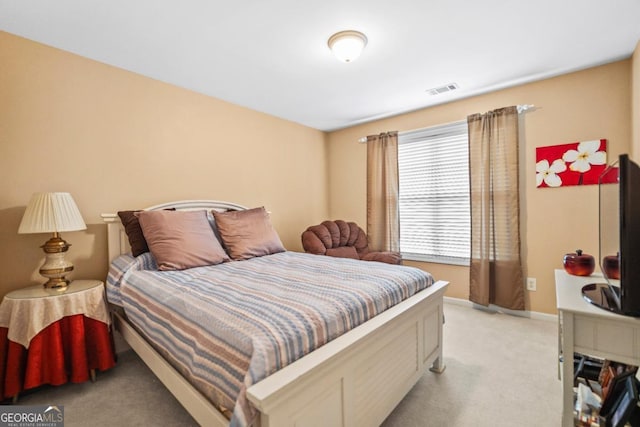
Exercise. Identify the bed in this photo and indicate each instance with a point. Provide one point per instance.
(355, 379)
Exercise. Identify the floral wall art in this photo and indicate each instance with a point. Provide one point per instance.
(578, 163)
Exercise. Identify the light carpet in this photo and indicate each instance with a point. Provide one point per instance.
(501, 371)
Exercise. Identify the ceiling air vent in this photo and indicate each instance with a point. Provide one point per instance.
(442, 89)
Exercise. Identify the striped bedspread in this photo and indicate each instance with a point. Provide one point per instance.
(228, 326)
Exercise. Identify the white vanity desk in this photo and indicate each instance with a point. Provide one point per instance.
(587, 329)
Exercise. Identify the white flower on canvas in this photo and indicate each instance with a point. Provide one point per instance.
(586, 155)
(549, 173)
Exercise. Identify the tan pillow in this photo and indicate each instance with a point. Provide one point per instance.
(134, 232)
(247, 234)
(181, 239)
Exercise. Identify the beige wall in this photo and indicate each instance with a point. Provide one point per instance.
(116, 140)
(635, 103)
(585, 105)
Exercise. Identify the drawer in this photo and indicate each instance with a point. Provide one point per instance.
(609, 339)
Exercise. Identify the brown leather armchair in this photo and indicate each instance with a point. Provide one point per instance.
(345, 240)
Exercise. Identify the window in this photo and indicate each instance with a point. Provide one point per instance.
(433, 167)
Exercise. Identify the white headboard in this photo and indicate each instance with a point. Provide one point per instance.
(117, 241)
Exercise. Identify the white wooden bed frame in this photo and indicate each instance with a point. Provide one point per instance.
(354, 380)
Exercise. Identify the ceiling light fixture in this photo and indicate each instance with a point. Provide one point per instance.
(347, 45)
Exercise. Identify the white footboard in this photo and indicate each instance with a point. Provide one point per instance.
(357, 379)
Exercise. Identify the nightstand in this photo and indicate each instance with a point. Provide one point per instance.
(48, 336)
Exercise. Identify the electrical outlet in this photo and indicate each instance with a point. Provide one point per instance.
(531, 283)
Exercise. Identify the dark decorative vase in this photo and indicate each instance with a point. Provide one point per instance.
(579, 264)
(611, 266)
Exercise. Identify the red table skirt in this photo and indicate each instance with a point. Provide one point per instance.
(64, 351)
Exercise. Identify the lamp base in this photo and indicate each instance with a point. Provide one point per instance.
(59, 283)
(55, 267)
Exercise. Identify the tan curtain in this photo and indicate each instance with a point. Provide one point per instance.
(496, 271)
(383, 220)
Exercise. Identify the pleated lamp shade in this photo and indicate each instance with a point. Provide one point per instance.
(51, 212)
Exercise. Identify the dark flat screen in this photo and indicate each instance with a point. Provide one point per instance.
(629, 236)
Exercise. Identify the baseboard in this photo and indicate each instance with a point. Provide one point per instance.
(495, 309)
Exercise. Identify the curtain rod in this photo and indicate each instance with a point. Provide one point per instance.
(526, 107)
(521, 109)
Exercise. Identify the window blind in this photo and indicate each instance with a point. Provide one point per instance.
(433, 168)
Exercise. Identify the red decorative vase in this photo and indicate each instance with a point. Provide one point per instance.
(579, 264)
(611, 267)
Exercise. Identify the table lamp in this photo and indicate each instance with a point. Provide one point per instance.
(53, 213)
